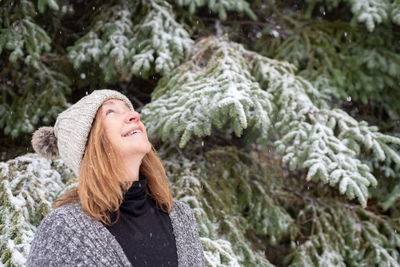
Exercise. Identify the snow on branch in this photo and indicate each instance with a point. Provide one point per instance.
(220, 7)
(326, 141)
(395, 12)
(25, 39)
(369, 12)
(217, 88)
(107, 42)
(237, 202)
(218, 251)
(20, 35)
(159, 40)
(200, 95)
(156, 44)
(43, 98)
(52, 4)
(28, 186)
(370, 239)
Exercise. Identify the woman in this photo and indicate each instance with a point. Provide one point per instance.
(122, 212)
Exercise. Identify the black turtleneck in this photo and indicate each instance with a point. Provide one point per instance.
(143, 231)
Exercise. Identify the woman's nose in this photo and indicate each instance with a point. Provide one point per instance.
(132, 116)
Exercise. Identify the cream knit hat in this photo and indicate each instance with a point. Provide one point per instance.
(70, 133)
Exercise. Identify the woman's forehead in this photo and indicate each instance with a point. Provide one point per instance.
(113, 101)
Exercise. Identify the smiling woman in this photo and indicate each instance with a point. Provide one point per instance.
(122, 212)
(126, 133)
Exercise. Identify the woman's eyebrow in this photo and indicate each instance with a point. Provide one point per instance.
(112, 103)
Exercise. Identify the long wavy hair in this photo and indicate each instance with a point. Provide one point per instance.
(101, 186)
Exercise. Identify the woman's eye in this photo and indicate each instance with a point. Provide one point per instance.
(109, 111)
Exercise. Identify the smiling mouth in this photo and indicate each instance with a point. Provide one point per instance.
(132, 133)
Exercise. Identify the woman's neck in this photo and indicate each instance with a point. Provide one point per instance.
(132, 165)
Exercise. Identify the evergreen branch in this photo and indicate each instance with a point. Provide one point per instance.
(218, 250)
(197, 98)
(395, 12)
(362, 70)
(309, 138)
(220, 7)
(25, 35)
(369, 12)
(156, 44)
(43, 98)
(325, 141)
(391, 199)
(108, 43)
(160, 40)
(346, 235)
(28, 186)
(52, 4)
(220, 216)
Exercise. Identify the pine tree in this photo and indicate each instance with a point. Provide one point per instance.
(277, 121)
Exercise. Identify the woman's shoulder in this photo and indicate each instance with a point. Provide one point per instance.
(183, 213)
(66, 236)
(64, 214)
(186, 234)
(181, 208)
(65, 209)
(64, 222)
(52, 235)
(180, 204)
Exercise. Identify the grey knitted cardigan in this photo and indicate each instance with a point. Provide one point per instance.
(66, 237)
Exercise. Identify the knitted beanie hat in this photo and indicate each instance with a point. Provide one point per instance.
(69, 135)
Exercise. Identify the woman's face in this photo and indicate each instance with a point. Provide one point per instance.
(124, 129)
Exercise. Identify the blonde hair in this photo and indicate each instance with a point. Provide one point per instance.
(101, 186)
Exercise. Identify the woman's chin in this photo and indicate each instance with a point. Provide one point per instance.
(141, 149)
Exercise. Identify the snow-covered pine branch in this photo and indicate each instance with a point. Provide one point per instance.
(24, 39)
(160, 41)
(326, 141)
(369, 12)
(32, 88)
(395, 12)
(363, 72)
(200, 95)
(52, 4)
(217, 252)
(35, 102)
(369, 239)
(220, 7)
(156, 44)
(28, 186)
(217, 87)
(238, 201)
(108, 42)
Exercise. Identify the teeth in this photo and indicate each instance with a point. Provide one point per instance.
(133, 132)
